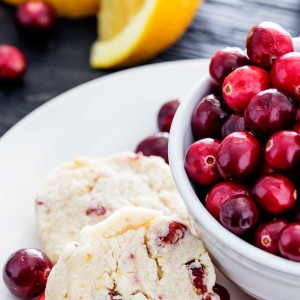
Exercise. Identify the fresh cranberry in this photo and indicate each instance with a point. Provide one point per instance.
(289, 242)
(239, 156)
(285, 74)
(35, 17)
(225, 61)
(296, 127)
(275, 193)
(197, 274)
(283, 150)
(220, 193)
(201, 163)
(269, 111)
(234, 123)
(267, 235)
(266, 41)
(176, 232)
(42, 297)
(13, 63)
(166, 115)
(25, 273)
(156, 144)
(221, 291)
(208, 117)
(239, 214)
(242, 84)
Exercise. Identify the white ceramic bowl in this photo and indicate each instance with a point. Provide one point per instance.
(258, 273)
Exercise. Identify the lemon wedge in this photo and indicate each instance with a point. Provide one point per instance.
(68, 8)
(131, 31)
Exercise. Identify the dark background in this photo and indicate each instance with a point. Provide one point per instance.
(61, 62)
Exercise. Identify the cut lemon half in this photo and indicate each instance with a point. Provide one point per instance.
(131, 31)
(68, 8)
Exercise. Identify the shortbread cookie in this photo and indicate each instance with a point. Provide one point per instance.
(135, 254)
(88, 190)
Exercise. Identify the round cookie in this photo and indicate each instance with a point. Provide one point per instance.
(88, 190)
(135, 254)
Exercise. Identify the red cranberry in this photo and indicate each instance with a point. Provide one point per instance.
(166, 115)
(275, 193)
(208, 117)
(242, 84)
(289, 242)
(296, 127)
(283, 150)
(42, 297)
(225, 61)
(197, 273)
(156, 144)
(268, 112)
(267, 235)
(200, 161)
(25, 273)
(221, 291)
(220, 193)
(239, 156)
(234, 123)
(35, 17)
(239, 214)
(176, 232)
(13, 63)
(266, 41)
(285, 74)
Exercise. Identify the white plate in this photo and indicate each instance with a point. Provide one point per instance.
(102, 117)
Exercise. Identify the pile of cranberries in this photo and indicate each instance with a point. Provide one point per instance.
(246, 157)
(157, 144)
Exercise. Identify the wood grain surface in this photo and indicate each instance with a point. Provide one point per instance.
(61, 62)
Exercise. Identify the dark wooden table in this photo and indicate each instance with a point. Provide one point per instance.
(61, 62)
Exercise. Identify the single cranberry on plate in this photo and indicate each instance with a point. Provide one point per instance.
(282, 151)
(26, 272)
(221, 291)
(166, 115)
(266, 41)
(42, 297)
(224, 61)
(35, 17)
(156, 144)
(200, 161)
(275, 193)
(239, 214)
(220, 193)
(289, 242)
(239, 156)
(234, 123)
(208, 117)
(267, 235)
(13, 63)
(242, 84)
(285, 74)
(269, 111)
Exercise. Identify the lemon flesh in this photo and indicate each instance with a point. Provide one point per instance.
(131, 31)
